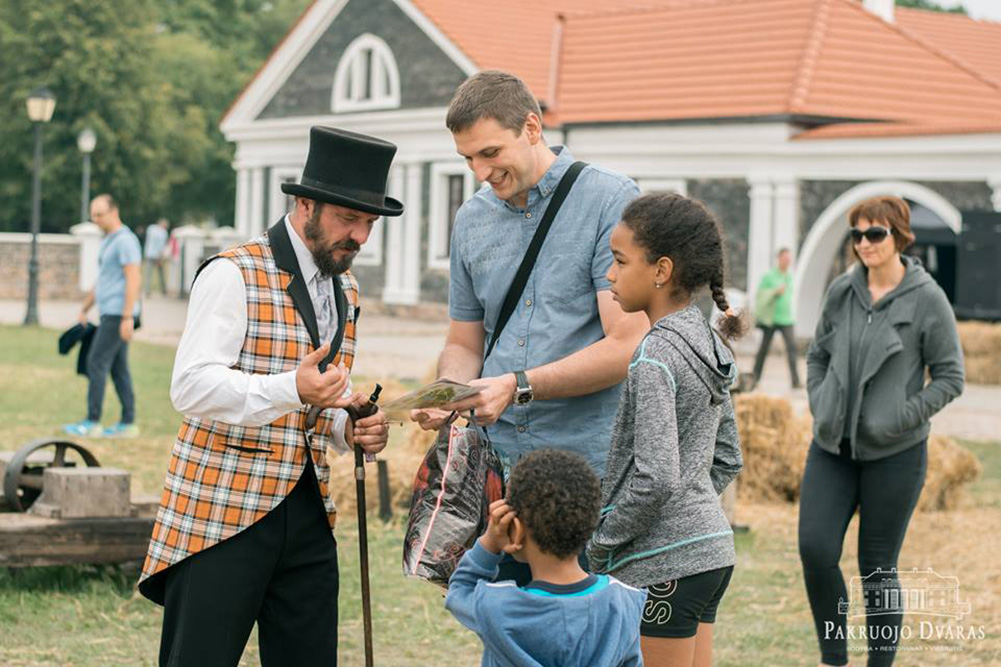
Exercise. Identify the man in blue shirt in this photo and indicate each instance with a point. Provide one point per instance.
(567, 345)
(117, 296)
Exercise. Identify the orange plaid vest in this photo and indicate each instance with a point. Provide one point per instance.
(222, 477)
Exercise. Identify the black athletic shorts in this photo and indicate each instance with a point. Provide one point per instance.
(675, 608)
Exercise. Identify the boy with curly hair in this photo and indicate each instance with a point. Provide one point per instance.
(564, 616)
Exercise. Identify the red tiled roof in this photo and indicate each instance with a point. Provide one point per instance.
(976, 44)
(764, 57)
(656, 60)
(873, 130)
(515, 35)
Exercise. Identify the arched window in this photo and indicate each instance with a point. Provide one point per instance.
(366, 78)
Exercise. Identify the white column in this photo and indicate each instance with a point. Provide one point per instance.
(192, 242)
(89, 235)
(995, 184)
(786, 216)
(403, 252)
(393, 288)
(759, 242)
(241, 216)
(412, 235)
(257, 222)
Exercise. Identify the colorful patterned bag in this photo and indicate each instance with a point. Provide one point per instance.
(460, 476)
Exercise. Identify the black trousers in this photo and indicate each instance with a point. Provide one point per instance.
(885, 492)
(280, 572)
(766, 342)
(108, 352)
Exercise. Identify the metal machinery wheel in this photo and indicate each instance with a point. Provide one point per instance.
(22, 480)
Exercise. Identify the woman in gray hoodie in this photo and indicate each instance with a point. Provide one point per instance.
(885, 323)
(674, 444)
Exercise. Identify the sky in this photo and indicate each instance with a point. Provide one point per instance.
(978, 9)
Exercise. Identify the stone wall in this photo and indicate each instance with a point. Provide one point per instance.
(58, 266)
(730, 201)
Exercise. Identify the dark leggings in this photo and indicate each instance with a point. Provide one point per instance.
(885, 492)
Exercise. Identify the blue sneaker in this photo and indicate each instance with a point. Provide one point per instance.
(121, 430)
(85, 428)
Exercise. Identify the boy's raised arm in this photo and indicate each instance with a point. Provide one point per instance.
(465, 589)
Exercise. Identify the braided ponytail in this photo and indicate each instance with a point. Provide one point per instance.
(730, 325)
(670, 225)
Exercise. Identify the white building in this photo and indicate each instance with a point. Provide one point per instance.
(779, 114)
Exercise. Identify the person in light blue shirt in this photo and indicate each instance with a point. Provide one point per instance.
(567, 346)
(564, 617)
(117, 296)
(154, 254)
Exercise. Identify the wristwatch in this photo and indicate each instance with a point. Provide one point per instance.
(523, 393)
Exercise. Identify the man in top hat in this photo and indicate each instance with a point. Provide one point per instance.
(244, 529)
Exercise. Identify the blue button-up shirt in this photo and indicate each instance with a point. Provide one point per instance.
(558, 311)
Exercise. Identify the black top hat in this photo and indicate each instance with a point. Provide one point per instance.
(347, 169)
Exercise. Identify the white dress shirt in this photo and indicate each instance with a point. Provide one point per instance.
(204, 384)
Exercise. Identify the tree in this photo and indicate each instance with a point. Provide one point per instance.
(931, 5)
(152, 78)
(95, 57)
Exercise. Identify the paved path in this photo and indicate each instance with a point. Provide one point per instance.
(405, 348)
(389, 347)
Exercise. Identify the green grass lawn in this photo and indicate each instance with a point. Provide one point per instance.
(92, 615)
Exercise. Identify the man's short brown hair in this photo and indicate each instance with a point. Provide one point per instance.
(890, 211)
(491, 94)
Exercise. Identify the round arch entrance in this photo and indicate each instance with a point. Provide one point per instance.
(824, 241)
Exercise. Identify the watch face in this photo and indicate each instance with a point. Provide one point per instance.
(523, 396)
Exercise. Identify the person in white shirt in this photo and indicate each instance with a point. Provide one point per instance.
(262, 376)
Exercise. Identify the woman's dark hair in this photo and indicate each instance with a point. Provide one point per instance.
(683, 229)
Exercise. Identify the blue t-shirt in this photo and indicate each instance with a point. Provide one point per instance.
(118, 250)
(595, 622)
(558, 311)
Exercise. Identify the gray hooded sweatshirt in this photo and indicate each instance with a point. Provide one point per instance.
(674, 449)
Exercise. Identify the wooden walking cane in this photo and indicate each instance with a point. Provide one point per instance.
(355, 414)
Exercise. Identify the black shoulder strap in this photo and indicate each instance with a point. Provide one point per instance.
(517, 287)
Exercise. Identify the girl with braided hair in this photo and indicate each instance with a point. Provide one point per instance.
(674, 445)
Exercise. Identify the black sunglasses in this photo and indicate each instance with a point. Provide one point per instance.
(873, 234)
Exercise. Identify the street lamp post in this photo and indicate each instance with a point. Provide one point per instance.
(41, 105)
(86, 142)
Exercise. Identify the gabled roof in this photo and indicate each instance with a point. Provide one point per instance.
(977, 44)
(729, 58)
(813, 61)
(514, 35)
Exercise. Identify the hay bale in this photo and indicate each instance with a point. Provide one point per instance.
(774, 443)
(403, 456)
(981, 343)
(950, 468)
(980, 339)
(983, 370)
